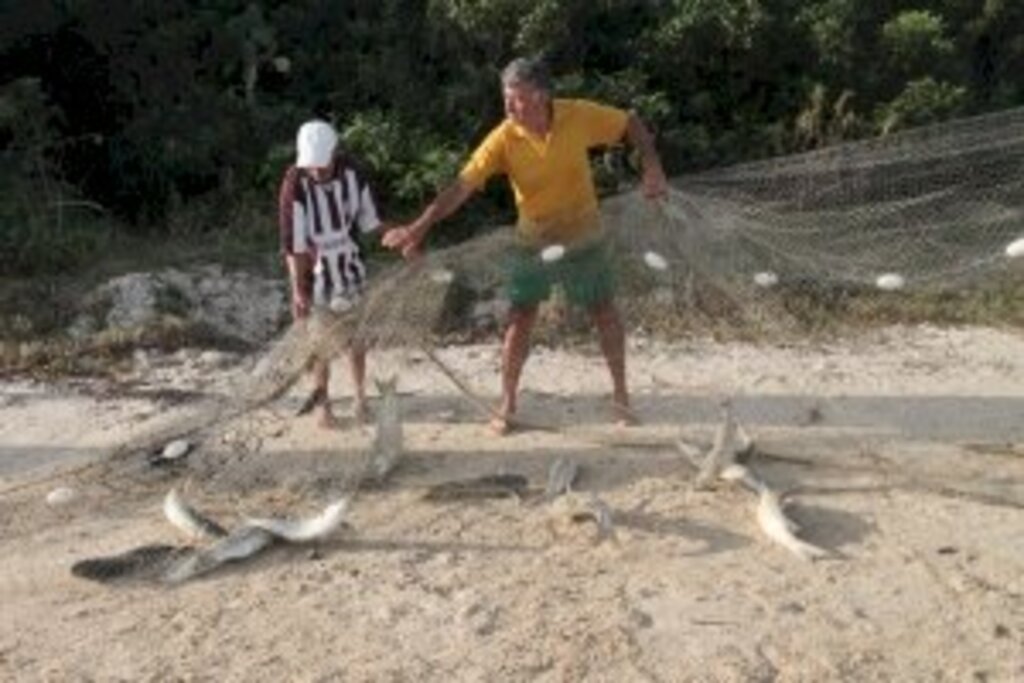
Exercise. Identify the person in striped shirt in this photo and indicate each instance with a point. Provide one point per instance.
(542, 147)
(325, 206)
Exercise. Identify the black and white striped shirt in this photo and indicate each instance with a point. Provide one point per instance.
(319, 218)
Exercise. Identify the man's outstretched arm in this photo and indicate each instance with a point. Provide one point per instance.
(407, 238)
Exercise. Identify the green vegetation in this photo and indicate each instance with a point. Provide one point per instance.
(176, 118)
(134, 134)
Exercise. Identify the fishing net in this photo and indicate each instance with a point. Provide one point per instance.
(885, 229)
(922, 214)
(764, 250)
(780, 247)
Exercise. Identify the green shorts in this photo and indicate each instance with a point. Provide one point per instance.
(585, 274)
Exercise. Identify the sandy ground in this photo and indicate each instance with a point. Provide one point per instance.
(904, 452)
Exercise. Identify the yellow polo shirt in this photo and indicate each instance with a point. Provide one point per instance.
(550, 175)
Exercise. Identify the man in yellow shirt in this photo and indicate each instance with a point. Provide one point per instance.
(542, 147)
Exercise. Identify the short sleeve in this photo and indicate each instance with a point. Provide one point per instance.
(291, 215)
(604, 125)
(367, 217)
(487, 160)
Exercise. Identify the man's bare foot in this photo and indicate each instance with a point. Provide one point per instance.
(624, 415)
(325, 418)
(501, 425)
(361, 412)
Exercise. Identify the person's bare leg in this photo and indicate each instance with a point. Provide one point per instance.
(612, 338)
(515, 349)
(322, 378)
(357, 366)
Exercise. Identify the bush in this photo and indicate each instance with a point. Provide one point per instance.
(45, 227)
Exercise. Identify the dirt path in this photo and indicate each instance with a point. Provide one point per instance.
(904, 452)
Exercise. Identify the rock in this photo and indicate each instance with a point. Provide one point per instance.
(176, 449)
(60, 496)
(214, 359)
(236, 305)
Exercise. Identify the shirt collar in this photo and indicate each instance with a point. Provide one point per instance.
(557, 114)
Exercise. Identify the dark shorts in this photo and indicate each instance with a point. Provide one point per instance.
(585, 274)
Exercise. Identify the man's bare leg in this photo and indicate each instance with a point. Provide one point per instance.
(514, 352)
(357, 366)
(321, 378)
(612, 338)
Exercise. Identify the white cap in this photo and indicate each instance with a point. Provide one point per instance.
(316, 141)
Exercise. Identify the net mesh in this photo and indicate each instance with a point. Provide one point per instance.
(919, 213)
(935, 205)
(763, 250)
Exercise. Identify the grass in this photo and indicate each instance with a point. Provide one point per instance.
(104, 354)
(818, 311)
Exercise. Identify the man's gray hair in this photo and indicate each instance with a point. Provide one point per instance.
(529, 70)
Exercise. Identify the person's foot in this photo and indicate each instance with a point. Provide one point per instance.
(361, 412)
(503, 420)
(325, 417)
(501, 425)
(624, 415)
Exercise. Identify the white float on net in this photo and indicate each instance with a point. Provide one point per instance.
(441, 276)
(282, 64)
(890, 281)
(655, 261)
(552, 253)
(766, 278)
(1015, 248)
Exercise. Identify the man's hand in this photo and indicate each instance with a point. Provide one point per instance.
(405, 239)
(653, 179)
